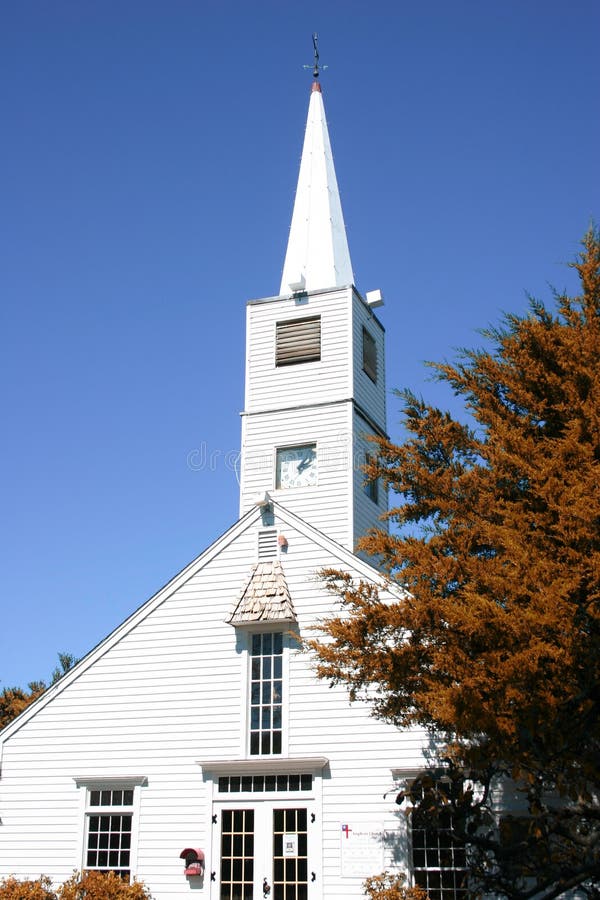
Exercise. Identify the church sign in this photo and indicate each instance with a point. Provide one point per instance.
(361, 849)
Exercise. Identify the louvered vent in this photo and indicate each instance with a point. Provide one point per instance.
(298, 341)
(369, 355)
(267, 543)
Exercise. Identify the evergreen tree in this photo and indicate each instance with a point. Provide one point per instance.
(13, 700)
(495, 644)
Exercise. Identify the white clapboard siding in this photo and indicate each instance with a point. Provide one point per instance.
(169, 691)
(269, 386)
(327, 505)
(367, 513)
(370, 396)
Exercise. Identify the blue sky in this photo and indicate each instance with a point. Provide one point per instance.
(149, 156)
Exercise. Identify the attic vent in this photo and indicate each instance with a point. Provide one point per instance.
(267, 543)
(298, 341)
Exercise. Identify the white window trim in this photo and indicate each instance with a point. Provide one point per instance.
(264, 765)
(106, 782)
(403, 778)
(266, 628)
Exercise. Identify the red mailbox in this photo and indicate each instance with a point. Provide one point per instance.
(194, 861)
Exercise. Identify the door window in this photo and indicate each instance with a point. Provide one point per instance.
(290, 854)
(237, 854)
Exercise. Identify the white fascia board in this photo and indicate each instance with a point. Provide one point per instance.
(264, 765)
(110, 781)
(131, 621)
(333, 289)
(366, 571)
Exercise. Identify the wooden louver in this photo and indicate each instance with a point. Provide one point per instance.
(298, 341)
(369, 355)
(267, 543)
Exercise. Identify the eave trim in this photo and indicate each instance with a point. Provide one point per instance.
(263, 765)
(106, 781)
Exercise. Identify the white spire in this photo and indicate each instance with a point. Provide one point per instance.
(317, 252)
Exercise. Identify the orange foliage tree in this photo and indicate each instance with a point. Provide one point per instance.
(495, 645)
(13, 700)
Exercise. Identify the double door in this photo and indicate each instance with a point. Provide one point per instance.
(265, 852)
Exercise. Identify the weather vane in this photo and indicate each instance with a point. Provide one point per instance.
(315, 66)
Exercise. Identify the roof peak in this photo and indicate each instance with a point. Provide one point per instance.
(317, 253)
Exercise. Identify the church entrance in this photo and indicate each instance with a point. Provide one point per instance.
(264, 852)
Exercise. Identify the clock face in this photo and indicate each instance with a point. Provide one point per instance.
(297, 466)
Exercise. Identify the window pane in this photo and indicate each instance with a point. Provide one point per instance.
(439, 865)
(265, 713)
(237, 861)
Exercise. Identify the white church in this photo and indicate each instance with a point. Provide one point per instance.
(194, 749)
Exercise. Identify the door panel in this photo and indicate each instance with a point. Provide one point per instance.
(290, 860)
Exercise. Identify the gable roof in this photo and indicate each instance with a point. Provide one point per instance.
(340, 556)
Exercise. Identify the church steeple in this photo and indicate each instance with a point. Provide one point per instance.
(315, 367)
(317, 253)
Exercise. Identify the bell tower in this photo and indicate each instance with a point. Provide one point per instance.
(315, 365)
